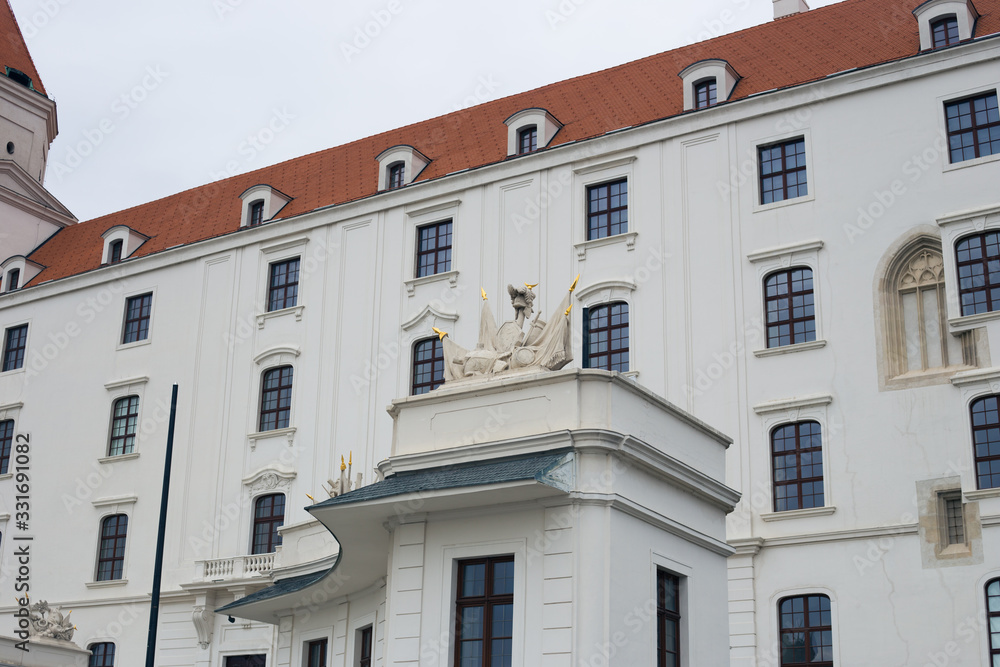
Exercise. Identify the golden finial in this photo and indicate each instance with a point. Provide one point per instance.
(310, 497)
(350, 458)
(343, 466)
(531, 286)
(568, 309)
(441, 334)
(483, 293)
(573, 286)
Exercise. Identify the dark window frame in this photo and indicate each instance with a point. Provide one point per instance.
(605, 336)
(801, 453)
(527, 140)
(802, 301)
(436, 257)
(265, 536)
(366, 648)
(111, 549)
(953, 115)
(395, 176)
(949, 24)
(428, 371)
(13, 280)
(138, 313)
(987, 465)
(115, 251)
(6, 444)
(276, 400)
(807, 629)
(787, 150)
(102, 654)
(994, 647)
(283, 284)
(973, 269)
(488, 602)
(246, 660)
(15, 347)
(124, 426)
(602, 209)
(706, 93)
(668, 616)
(322, 645)
(255, 215)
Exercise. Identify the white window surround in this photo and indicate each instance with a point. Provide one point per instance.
(26, 270)
(954, 227)
(124, 311)
(10, 411)
(271, 254)
(27, 345)
(596, 173)
(940, 142)
(769, 260)
(131, 240)
(413, 162)
(606, 292)
(725, 77)
(774, 622)
(974, 385)
(545, 124)
(963, 10)
(806, 136)
(274, 200)
(266, 481)
(353, 636)
(117, 389)
(687, 590)
(274, 357)
(421, 215)
(812, 407)
(110, 506)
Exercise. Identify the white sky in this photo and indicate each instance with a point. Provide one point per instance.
(226, 70)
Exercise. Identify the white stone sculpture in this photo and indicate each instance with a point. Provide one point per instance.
(50, 623)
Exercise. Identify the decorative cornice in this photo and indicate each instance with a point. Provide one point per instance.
(780, 405)
(790, 249)
(126, 382)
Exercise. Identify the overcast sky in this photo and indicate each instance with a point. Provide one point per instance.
(155, 98)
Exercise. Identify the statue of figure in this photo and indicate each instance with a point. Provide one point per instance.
(49, 622)
(545, 345)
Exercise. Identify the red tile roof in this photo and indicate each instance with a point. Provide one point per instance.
(13, 50)
(794, 50)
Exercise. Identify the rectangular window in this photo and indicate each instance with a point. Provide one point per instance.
(605, 337)
(668, 620)
(954, 519)
(13, 279)
(6, 440)
(607, 209)
(993, 619)
(283, 285)
(973, 127)
(13, 348)
(797, 454)
(783, 171)
(527, 140)
(115, 252)
(705, 94)
(111, 557)
(790, 306)
(806, 631)
(256, 213)
(102, 655)
(365, 647)
(316, 653)
(428, 366)
(484, 612)
(986, 440)
(276, 398)
(137, 310)
(124, 419)
(434, 249)
(246, 660)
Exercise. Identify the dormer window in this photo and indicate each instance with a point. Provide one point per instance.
(397, 176)
(256, 213)
(707, 83)
(261, 203)
(945, 22)
(529, 130)
(527, 140)
(944, 31)
(705, 94)
(13, 279)
(18, 271)
(399, 166)
(115, 251)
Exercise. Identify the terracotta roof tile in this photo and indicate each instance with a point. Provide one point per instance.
(778, 54)
(13, 51)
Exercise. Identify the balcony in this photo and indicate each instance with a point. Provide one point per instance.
(235, 568)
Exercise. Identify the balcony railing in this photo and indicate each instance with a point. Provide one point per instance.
(238, 567)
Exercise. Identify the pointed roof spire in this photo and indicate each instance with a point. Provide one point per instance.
(13, 49)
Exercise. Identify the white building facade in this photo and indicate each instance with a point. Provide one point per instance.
(807, 267)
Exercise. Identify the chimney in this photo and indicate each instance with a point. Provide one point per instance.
(783, 8)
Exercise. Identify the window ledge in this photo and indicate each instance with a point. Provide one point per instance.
(294, 310)
(126, 346)
(13, 371)
(982, 494)
(952, 166)
(121, 457)
(628, 238)
(760, 208)
(6, 475)
(786, 349)
(106, 584)
(288, 432)
(799, 514)
(450, 276)
(968, 321)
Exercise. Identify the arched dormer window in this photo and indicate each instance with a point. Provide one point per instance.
(16, 272)
(399, 166)
(261, 203)
(945, 22)
(707, 83)
(120, 242)
(529, 130)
